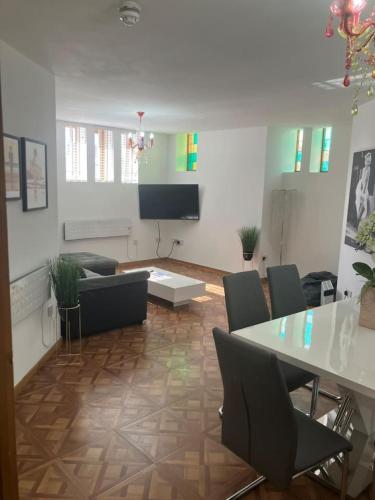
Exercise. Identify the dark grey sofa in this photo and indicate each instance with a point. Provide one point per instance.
(111, 302)
(104, 266)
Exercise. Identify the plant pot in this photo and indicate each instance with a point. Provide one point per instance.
(70, 322)
(367, 312)
(248, 256)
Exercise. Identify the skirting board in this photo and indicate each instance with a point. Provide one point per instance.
(18, 388)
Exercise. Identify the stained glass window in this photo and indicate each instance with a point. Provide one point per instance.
(192, 152)
(326, 149)
(187, 152)
(299, 153)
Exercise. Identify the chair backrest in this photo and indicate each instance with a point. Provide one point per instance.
(245, 300)
(285, 290)
(258, 420)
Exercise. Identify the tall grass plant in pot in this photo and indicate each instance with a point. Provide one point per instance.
(64, 277)
(249, 236)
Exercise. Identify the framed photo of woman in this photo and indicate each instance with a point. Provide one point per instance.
(362, 193)
(12, 165)
(34, 175)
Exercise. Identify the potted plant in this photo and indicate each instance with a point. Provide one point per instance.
(366, 241)
(249, 236)
(65, 274)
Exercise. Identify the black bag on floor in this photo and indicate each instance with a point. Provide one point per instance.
(312, 283)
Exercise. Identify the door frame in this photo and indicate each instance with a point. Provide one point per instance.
(8, 464)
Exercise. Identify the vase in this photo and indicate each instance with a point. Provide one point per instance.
(248, 256)
(70, 322)
(367, 312)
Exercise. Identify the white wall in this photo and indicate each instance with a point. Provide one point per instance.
(230, 174)
(363, 137)
(315, 233)
(28, 98)
(281, 147)
(90, 200)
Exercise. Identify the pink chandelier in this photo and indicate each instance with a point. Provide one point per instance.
(137, 140)
(360, 45)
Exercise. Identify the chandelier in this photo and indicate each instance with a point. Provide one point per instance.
(137, 140)
(360, 45)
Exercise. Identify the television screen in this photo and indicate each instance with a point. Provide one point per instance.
(169, 201)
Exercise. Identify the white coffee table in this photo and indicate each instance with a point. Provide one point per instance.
(172, 287)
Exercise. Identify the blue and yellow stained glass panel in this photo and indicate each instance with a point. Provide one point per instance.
(187, 152)
(299, 151)
(192, 152)
(326, 149)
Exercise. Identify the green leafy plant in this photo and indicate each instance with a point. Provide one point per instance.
(366, 234)
(366, 272)
(65, 274)
(249, 236)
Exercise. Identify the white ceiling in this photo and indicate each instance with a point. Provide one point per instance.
(190, 64)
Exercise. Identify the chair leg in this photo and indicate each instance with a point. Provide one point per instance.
(372, 495)
(344, 477)
(314, 397)
(240, 493)
(326, 394)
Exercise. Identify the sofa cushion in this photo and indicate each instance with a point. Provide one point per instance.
(100, 282)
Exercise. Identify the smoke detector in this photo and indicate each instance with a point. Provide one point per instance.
(130, 13)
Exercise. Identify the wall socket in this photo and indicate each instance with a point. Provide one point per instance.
(178, 242)
(348, 294)
(135, 242)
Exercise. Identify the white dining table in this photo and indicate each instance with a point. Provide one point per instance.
(329, 342)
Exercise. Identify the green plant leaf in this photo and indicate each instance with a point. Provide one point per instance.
(249, 236)
(364, 270)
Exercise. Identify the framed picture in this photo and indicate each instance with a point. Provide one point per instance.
(362, 193)
(34, 175)
(12, 164)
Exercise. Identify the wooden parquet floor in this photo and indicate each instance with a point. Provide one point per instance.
(138, 419)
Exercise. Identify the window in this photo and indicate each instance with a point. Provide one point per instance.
(299, 151)
(129, 162)
(104, 156)
(326, 149)
(187, 152)
(75, 154)
(192, 152)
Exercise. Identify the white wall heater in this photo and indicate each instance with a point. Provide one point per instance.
(96, 228)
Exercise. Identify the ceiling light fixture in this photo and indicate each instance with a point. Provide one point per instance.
(130, 13)
(137, 140)
(360, 45)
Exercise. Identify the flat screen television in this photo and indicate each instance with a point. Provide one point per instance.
(169, 201)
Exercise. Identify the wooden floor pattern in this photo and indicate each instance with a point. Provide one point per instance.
(138, 419)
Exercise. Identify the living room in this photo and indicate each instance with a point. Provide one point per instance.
(258, 142)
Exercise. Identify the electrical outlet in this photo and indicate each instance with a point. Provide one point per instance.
(135, 242)
(178, 242)
(348, 294)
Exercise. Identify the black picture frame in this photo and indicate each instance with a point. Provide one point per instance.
(8, 196)
(34, 176)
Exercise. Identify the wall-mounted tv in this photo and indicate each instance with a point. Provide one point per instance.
(169, 201)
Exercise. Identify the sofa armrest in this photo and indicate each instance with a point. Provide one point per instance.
(101, 282)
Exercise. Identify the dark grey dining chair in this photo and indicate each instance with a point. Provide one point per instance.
(246, 306)
(287, 298)
(260, 424)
